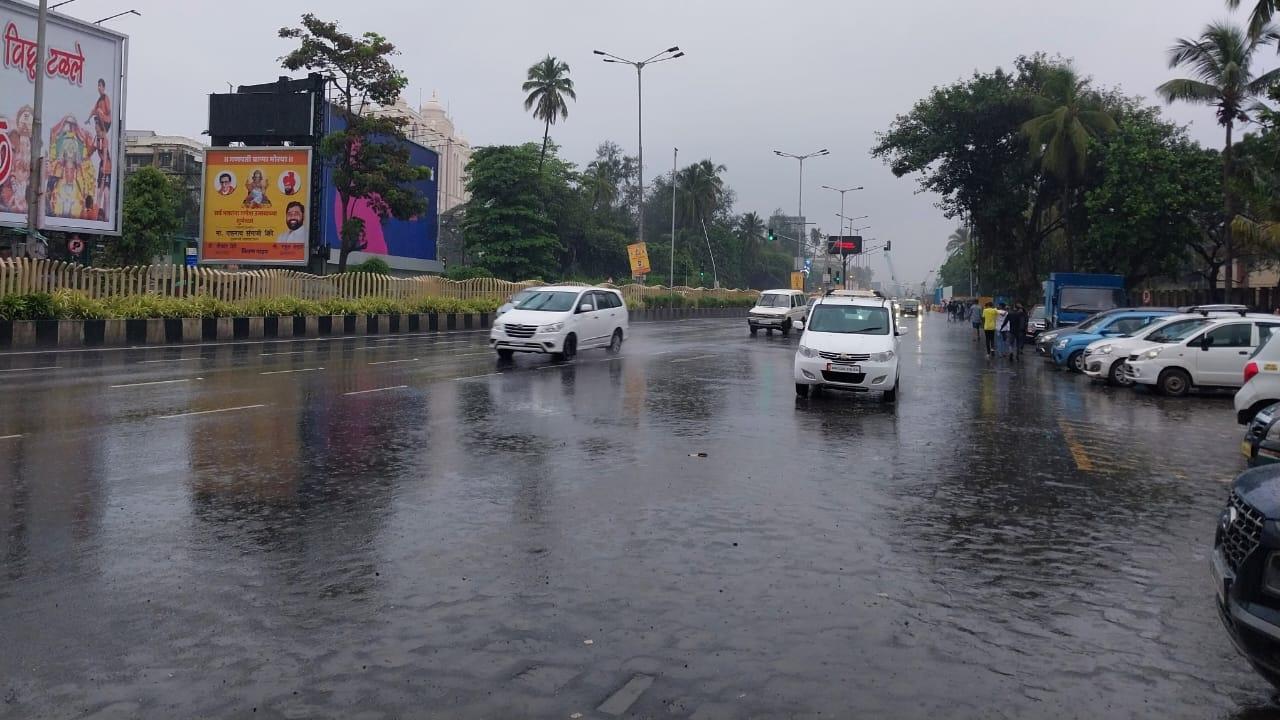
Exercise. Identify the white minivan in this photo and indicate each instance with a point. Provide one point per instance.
(560, 321)
(850, 342)
(778, 310)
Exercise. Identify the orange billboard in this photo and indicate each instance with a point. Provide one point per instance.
(257, 206)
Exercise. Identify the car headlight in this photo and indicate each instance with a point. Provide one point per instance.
(499, 327)
(552, 328)
(1049, 337)
(1271, 575)
(885, 356)
(1273, 432)
(1105, 350)
(807, 352)
(1153, 353)
(1062, 343)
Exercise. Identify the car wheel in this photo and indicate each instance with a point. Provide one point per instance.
(615, 345)
(1075, 361)
(891, 395)
(1174, 382)
(802, 390)
(786, 327)
(1116, 376)
(1257, 408)
(754, 330)
(506, 354)
(570, 349)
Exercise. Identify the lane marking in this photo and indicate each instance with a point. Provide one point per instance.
(148, 362)
(388, 362)
(281, 372)
(268, 341)
(374, 390)
(210, 412)
(153, 382)
(699, 357)
(46, 367)
(10, 437)
(474, 377)
(1075, 448)
(295, 352)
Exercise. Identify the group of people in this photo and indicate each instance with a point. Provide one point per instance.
(1002, 328)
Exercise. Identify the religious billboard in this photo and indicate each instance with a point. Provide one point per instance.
(82, 115)
(257, 206)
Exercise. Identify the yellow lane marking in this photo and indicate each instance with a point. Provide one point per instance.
(1077, 450)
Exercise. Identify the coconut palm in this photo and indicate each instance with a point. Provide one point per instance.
(548, 86)
(1221, 61)
(1260, 17)
(702, 193)
(1070, 117)
(601, 181)
(959, 240)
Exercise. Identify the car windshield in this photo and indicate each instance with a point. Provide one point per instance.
(1092, 323)
(521, 296)
(774, 301)
(1037, 312)
(550, 301)
(1175, 331)
(1084, 299)
(850, 320)
(910, 304)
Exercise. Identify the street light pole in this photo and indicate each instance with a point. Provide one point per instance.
(800, 200)
(639, 65)
(675, 163)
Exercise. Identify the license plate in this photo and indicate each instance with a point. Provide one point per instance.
(851, 369)
(1246, 447)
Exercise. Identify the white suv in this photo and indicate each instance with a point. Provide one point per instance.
(849, 343)
(1213, 356)
(560, 321)
(778, 310)
(1261, 379)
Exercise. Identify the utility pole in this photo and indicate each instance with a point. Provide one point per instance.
(37, 128)
(675, 163)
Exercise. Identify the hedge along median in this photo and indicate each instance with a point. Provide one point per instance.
(66, 318)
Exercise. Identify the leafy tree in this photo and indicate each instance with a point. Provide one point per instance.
(959, 240)
(1260, 17)
(368, 161)
(507, 227)
(548, 85)
(1070, 119)
(149, 219)
(1222, 64)
(955, 272)
(376, 266)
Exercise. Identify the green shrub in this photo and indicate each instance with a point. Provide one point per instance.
(34, 306)
(71, 305)
(377, 266)
(670, 300)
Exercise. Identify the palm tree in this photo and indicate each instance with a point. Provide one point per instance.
(1070, 118)
(1221, 60)
(1263, 11)
(959, 240)
(702, 193)
(601, 181)
(548, 86)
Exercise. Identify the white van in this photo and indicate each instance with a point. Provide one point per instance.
(560, 321)
(778, 310)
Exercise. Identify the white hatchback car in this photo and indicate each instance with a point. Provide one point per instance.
(778, 310)
(1213, 356)
(1261, 380)
(1104, 359)
(560, 321)
(849, 343)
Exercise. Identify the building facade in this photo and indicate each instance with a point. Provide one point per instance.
(431, 126)
(175, 156)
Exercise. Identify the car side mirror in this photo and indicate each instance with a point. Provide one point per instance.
(586, 308)
(900, 331)
(799, 325)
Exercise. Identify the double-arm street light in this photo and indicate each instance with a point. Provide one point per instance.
(849, 220)
(800, 201)
(842, 192)
(670, 53)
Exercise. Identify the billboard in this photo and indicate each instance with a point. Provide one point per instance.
(404, 244)
(256, 206)
(844, 245)
(638, 255)
(83, 117)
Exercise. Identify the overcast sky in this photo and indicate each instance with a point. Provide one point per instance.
(795, 76)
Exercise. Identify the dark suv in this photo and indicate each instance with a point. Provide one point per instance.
(1246, 568)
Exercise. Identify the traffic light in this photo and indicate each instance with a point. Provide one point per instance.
(837, 277)
(701, 273)
(772, 235)
(888, 245)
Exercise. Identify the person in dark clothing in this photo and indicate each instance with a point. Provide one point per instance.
(1016, 321)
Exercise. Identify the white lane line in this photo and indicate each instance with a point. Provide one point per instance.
(295, 352)
(210, 412)
(664, 352)
(281, 372)
(10, 437)
(374, 390)
(474, 377)
(697, 357)
(154, 382)
(46, 367)
(388, 362)
(148, 362)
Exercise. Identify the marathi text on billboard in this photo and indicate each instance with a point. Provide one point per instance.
(83, 117)
(638, 255)
(257, 206)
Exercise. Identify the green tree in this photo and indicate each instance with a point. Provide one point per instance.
(507, 226)
(548, 85)
(150, 219)
(367, 158)
(701, 194)
(1070, 117)
(1261, 15)
(959, 240)
(1221, 61)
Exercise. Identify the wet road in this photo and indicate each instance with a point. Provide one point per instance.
(401, 527)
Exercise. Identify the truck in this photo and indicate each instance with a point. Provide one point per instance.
(1069, 298)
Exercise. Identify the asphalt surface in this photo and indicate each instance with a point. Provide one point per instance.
(403, 527)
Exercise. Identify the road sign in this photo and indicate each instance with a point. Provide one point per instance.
(192, 256)
(797, 281)
(638, 254)
(844, 245)
(75, 246)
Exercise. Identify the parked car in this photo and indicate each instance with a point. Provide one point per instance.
(1068, 350)
(560, 321)
(778, 310)
(1261, 444)
(850, 342)
(1261, 379)
(514, 301)
(1046, 340)
(1104, 359)
(1036, 322)
(1214, 356)
(1245, 568)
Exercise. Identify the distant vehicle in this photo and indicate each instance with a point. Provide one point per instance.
(1261, 381)
(515, 300)
(1261, 444)
(1214, 356)
(910, 307)
(1070, 298)
(1245, 568)
(1069, 350)
(778, 310)
(1035, 321)
(850, 342)
(560, 321)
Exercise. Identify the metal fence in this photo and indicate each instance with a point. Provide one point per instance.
(23, 275)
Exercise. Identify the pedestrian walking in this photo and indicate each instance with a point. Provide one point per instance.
(1017, 321)
(975, 319)
(989, 315)
(1002, 329)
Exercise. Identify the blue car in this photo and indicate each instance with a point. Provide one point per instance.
(1068, 351)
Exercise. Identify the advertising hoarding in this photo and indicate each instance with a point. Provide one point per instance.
(404, 244)
(638, 255)
(257, 206)
(83, 117)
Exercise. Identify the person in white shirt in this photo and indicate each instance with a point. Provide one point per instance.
(295, 217)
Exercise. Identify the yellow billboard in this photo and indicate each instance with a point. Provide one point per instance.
(257, 206)
(638, 254)
(797, 281)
